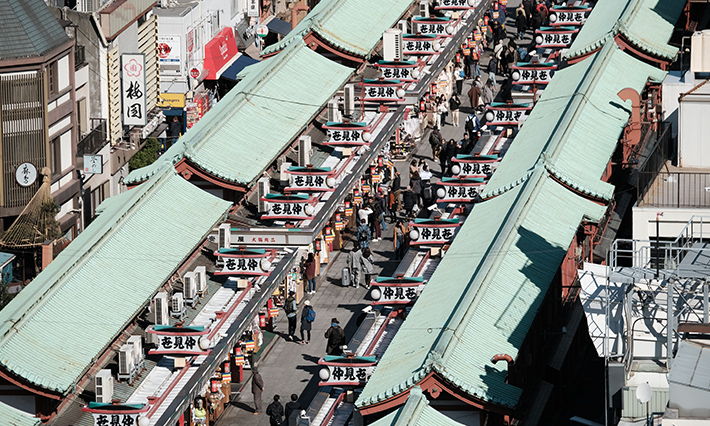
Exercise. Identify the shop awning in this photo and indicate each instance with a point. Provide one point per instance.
(278, 26)
(242, 62)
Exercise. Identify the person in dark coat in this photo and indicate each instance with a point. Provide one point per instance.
(275, 411)
(521, 22)
(416, 183)
(506, 91)
(409, 200)
(174, 130)
(257, 387)
(435, 140)
(305, 323)
(291, 407)
(474, 94)
(451, 151)
(311, 273)
(336, 338)
(528, 6)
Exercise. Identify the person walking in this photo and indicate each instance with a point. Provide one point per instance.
(451, 151)
(293, 408)
(368, 264)
(363, 234)
(416, 183)
(355, 265)
(474, 95)
(473, 128)
(489, 92)
(275, 411)
(459, 75)
(336, 338)
(308, 315)
(443, 111)
(311, 273)
(435, 139)
(492, 67)
(395, 190)
(376, 219)
(521, 21)
(409, 200)
(454, 105)
(291, 308)
(398, 239)
(257, 387)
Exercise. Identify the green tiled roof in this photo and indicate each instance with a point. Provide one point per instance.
(246, 130)
(13, 417)
(565, 128)
(28, 29)
(416, 412)
(54, 329)
(349, 25)
(646, 24)
(484, 296)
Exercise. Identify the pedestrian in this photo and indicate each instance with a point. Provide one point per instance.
(436, 138)
(451, 151)
(381, 200)
(291, 308)
(528, 6)
(459, 75)
(466, 146)
(311, 273)
(492, 68)
(543, 11)
(454, 104)
(364, 212)
(409, 200)
(376, 219)
(521, 21)
(363, 234)
(336, 338)
(442, 157)
(416, 183)
(506, 91)
(436, 115)
(424, 173)
(398, 239)
(368, 263)
(489, 92)
(395, 190)
(473, 128)
(308, 315)
(174, 130)
(275, 411)
(474, 95)
(293, 408)
(355, 265)
(257, 387)
(443, 111)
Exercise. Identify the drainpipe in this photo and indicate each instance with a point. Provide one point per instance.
(294, 13)
(669, 330)
(706, 287)
(503, 357)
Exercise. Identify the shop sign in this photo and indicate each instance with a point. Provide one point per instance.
(440, 27)
(194, 73)
(437, 231)
(503, 114)
(529, 73)
(116, 414)
(348, 134)
(554, 37)
(243, 261)
(476, 166)
(219, 51)
(253, 238)
(383, 91)
(454, 4)
(133, 89)
(26, 174)
(395, 290)
(172, 100)
(178, 340)
(289, 207)
(420, 45)
(310, 179)
(400, 70)
(93, 164)
(454, 190)
(568, 15)
(253, 8)
(169, 57)
(343, 371)
(262, 30)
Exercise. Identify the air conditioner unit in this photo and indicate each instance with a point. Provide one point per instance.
(392, 44)
(189, 287)
(162, 316)
(424, 8)
(283, 167)
(333, 113)
(224, 236)
(177, 306)
(126, 362)
(103, 386)
(349, 101)
(403, 26)
(304, 150)
(699, 56)
(262, 190)
(201, 279)
(138, 356)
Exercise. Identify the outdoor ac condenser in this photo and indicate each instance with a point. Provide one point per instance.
(103, 386)
(392, 44)
(201, 279)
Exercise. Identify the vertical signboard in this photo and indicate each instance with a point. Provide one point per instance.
(253, 8)
(133, 89)
(169, 55)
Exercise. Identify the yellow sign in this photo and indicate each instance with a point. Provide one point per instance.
(172, 100)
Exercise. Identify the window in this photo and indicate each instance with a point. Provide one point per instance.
(53, 78)
(55, 156)
(81, 119)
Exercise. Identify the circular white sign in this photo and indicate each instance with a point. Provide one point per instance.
(262, 30)
(26, 174)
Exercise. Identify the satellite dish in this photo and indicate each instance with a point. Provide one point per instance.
(643, 393)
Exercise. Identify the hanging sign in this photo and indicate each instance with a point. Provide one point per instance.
(465, 190)
(440, 27)
(116, 414)
(293, 207)
(504, 114)
(133, 89)
(553, 37)
(244, 261)
(253, 8)
(400, 70)
(395, 290)
(178, 340)
(533, 73)
(383, 90)
(432, 231)
(349, 133)
(310, 179)
(413, 44)
(26, 174)
(568, 15)
(169, 55)
(475, 166)
(346, 371)
(455, 4)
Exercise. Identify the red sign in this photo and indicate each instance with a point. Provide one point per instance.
(219, 51)
(163, 50)
(194, 73)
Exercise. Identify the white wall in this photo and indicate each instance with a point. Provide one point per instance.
(63, 73)
(65, 147)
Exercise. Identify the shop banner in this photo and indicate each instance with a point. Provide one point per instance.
(177, 340)
(133, 89)
(350, 133)
(475, 166)
(452, 190)
(383, 90)
(436, 231)
(455, 4)
(531, 73)
(289, 207)
(106, 414)
(244, 261)
(395, 290)
(574, 15)
(253, 8)
(310, 179)
(440, 27)
(504, 114)
(219, 52)
(420, 45)
(344, 371)
(554, 37)
(169, 55)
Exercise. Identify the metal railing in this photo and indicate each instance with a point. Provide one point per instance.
(661, 152)
(675, 189)
(94, 140)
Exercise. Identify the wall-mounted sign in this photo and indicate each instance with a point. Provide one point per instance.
(568, 15)
(172, 100)
(253, 8)
(347, 134)
(93, 164)
(453, 190)
(310, 179)
(261, 30)
(531, 73)
(420, 45)
(440, 27)
(178, 340)
(399, 70)
(26, 174)
(244, 261)
(395, 290)
(382, 90)
(554, 37)
(432, 231)
(504, 114)
(219, 51)
(475, 166)
(346, 371)
(133, 89)
(289, 207)
(116, 414)
(455, 4)
(169, 55)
